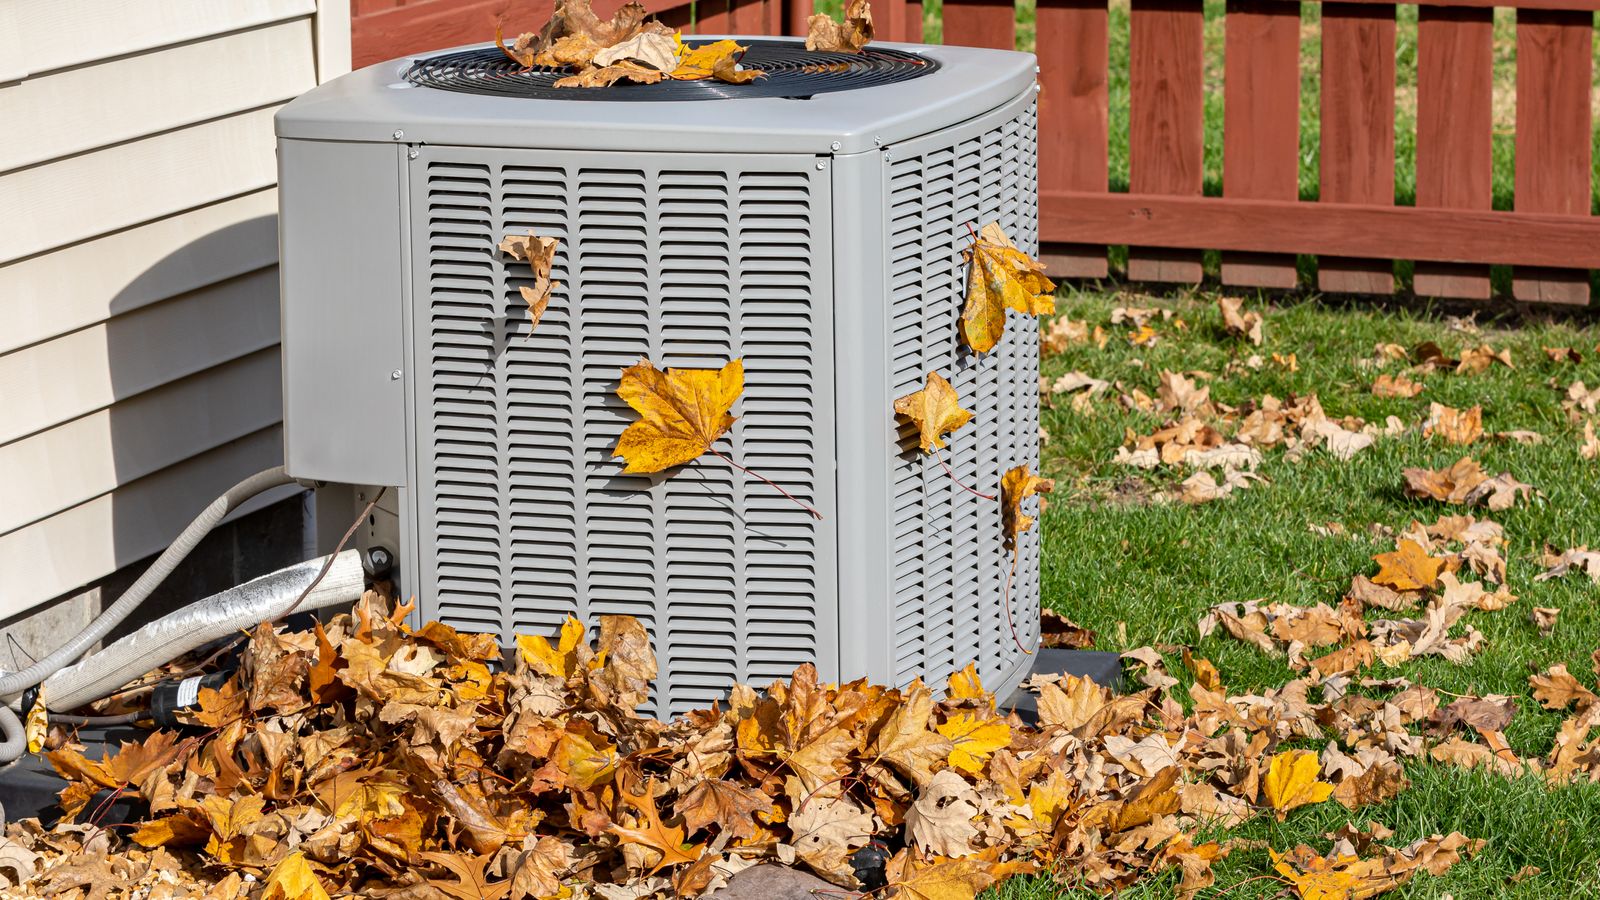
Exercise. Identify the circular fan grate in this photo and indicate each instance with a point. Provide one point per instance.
(791, 72)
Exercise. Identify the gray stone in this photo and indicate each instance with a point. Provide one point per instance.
(769, 881)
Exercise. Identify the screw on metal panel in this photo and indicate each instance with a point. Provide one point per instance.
(877, 140)
(395, 375)
(888, 154)
(398, 134)
(821, 166)
(836, 145)
(413, 153)
(1037, 70)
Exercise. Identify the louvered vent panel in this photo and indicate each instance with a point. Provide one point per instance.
(524, 512)
(949, 562)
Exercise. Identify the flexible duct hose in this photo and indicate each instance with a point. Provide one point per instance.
(261, 599)
(15, 741)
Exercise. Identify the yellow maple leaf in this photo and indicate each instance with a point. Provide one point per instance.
(293, 879)
(1409, 568)
(682, 412)
(1292, 781)
(718, 59)
(587, 763)
(966, 685)
(1016, 486)
(1000, 277)
(559, 660)
(974, 740)
(1320, 878)
(935, 410)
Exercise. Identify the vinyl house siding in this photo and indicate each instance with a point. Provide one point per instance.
(139, 371)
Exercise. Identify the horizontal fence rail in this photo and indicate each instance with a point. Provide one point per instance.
(1354, 228)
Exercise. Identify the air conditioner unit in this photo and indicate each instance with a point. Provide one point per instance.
(811, 222)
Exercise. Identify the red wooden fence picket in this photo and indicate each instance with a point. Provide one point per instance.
(1354, 227)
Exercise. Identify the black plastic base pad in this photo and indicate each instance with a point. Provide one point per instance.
(28, 787)
(1102, 667)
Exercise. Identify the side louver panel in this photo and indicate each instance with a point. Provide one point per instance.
(522, 514)
(950, 569)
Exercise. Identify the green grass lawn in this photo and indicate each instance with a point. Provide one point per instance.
(1140, 572)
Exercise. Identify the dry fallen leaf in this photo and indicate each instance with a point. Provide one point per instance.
(1408, 568)
(540, 254)
(597, 77)
(1395, 386)
(1238, 322)
(825, 34)
(682, 413)
(1000, 277)
(1544, 619)
(1578, 559)
(941, 821)
(293, 879)
(1454, 426)
(1479, 359)
(1016, 486)
(935, 410)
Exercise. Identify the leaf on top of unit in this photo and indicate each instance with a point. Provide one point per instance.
(1000, 277)
(540, 254)
(682, 412)
(825, 34)
(935, 410)
(651, 49)
(718, 59)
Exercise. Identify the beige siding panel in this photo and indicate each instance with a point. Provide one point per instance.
(96, 193)
(59, 33)
(333, 39)
(79, 109)
(13, 67)
(48, 295)
(50, 471)
(72, 548)
(62, 379)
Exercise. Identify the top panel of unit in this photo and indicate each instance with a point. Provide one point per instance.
(808, 103)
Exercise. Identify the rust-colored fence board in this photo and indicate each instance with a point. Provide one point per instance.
(1354, 228)
(1554, 60)
(1261, 127)
(1166, 121)
(1357, 129)
(1455, 100)
(980, 23)
(1073, 117)
(1338, 229)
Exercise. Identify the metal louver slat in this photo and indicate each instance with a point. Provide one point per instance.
(950, 566)
(524, 516)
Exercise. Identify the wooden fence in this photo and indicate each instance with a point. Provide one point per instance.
(1259, 223)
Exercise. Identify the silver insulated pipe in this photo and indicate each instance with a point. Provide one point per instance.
(269, 597)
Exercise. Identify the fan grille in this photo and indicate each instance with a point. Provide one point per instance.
(792, 72)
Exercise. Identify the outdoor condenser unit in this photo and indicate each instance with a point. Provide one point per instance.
(811, 222)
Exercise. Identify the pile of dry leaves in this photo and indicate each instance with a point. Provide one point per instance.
(631, 47)
(370, 758)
